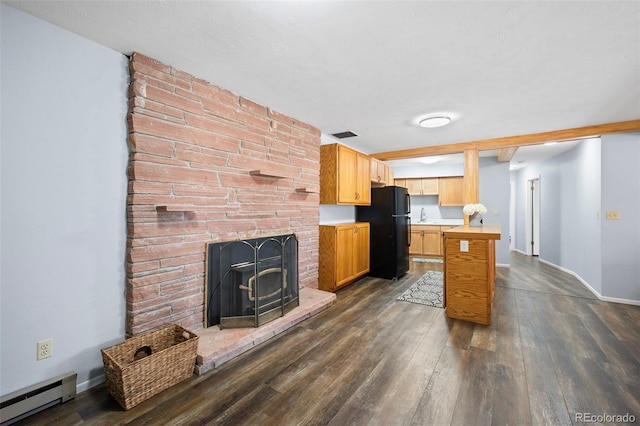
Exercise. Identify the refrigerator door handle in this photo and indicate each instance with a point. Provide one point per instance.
(408, 231)
(408, 203)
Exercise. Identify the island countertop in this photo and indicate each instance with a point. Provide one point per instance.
(489, 231)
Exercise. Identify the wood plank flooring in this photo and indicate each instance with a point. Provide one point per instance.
(552, 351)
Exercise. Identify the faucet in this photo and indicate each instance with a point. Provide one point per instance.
(423, 215)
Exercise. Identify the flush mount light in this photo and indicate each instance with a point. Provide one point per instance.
(429, 160)
(435, 121)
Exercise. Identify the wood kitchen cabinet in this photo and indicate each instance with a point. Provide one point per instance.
(416, 241)
(422, 186)
(379, 172)
(426, 240)
(470, 272)
(344, 176)
(450, 191)
(390, 180)
(432, 241)
(344, 254)
(414, 186)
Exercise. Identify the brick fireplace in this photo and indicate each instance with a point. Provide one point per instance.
(207, 165)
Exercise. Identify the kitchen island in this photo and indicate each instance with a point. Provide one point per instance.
(470, 271)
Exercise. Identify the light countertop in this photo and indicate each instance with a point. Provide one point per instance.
(484, 232)
(445, 222)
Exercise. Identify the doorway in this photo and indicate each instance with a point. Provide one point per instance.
(533, 217)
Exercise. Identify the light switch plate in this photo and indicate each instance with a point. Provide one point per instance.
(613, 215)
(464, 245)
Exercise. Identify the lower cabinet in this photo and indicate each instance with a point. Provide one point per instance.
(426, 240)
(416, 246)
(344, 254)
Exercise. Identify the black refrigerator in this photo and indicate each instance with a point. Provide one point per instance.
(388, 215)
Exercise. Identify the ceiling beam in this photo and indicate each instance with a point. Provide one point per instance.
(513, 141)
(506, 154)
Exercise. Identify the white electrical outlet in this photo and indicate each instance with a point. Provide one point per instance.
(45, 349)
(464, 245)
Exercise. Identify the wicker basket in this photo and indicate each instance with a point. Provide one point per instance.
(174, 350)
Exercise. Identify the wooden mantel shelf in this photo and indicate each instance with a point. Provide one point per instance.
(306, 190)
(175, 208)
(266, 173)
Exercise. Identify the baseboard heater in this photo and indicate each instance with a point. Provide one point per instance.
(25, 402)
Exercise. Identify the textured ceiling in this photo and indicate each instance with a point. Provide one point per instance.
(500, 68)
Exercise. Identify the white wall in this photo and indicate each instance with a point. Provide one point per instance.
(570, 187)
(63, 201)
(494, 194)
(621, 238)
(334, 214)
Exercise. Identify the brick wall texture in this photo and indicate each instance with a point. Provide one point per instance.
(193, 146)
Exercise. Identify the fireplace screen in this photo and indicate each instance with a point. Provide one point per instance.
(251, 282)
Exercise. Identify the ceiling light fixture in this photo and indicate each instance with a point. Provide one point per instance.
(429, 160)
(435, 121)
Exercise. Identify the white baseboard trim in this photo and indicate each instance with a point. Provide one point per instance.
(591, 289)
(618, 300)
(81, 387)
(570, 272)
(519, 251)
(503, 265)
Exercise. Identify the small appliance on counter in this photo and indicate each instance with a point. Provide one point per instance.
(388, 215)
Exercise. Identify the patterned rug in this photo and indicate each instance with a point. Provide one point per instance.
(426, 291)
(424, 259)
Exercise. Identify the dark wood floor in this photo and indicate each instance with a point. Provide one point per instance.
(553, 350)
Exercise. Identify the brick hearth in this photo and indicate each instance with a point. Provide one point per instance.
(217, 346)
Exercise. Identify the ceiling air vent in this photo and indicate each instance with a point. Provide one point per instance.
(342, 135)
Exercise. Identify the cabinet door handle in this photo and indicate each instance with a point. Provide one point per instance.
(355, 230)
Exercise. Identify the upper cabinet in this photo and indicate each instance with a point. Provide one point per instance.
(422, 186)
(451, 190)
(448, 189)
(379, 172)
(390, 180)
(344, 176)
